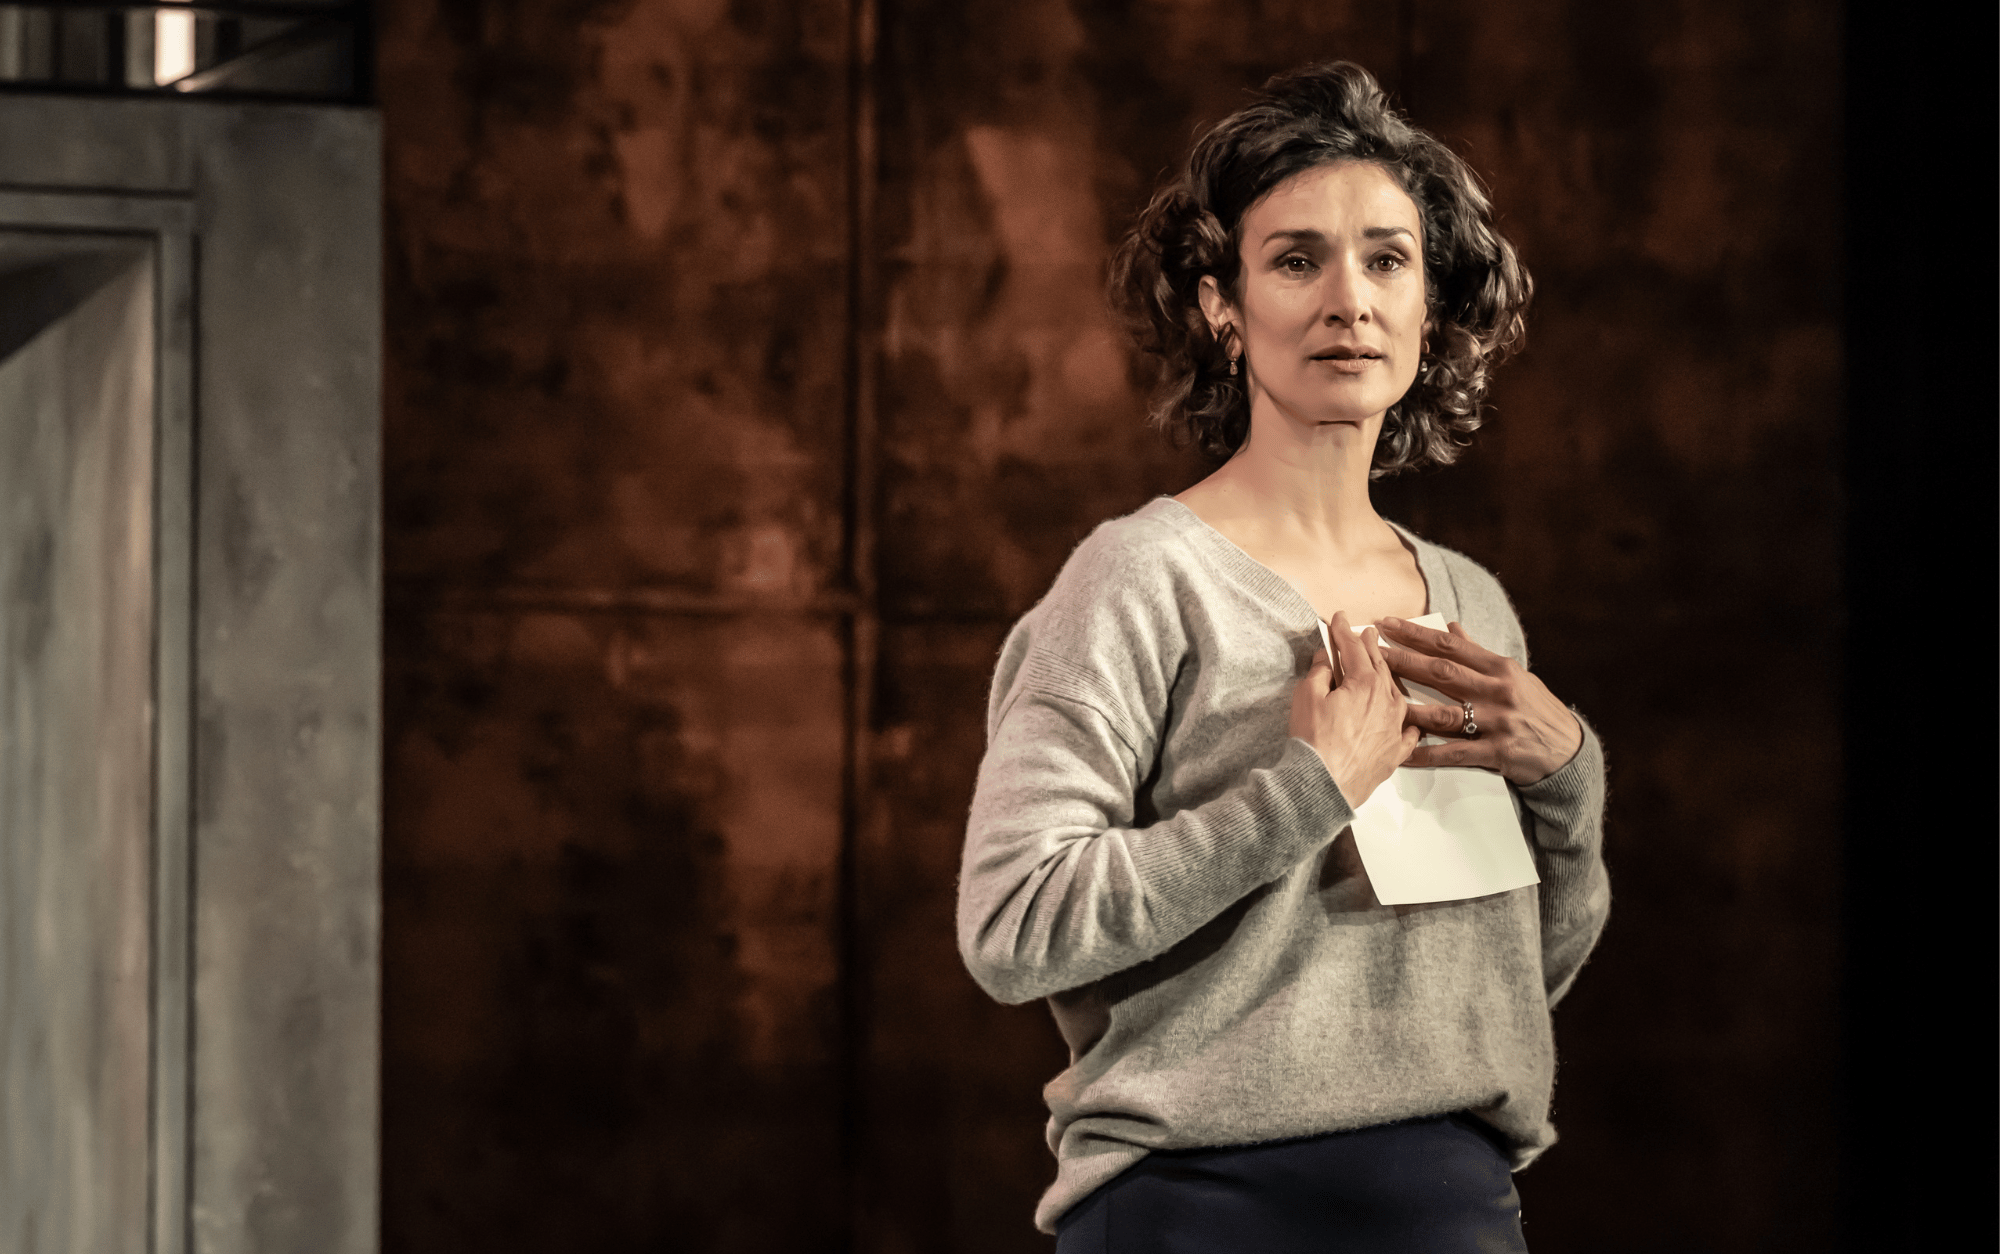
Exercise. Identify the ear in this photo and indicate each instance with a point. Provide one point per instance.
(1215, 307)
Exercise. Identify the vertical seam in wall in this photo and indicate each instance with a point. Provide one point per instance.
(193, 732)
(863, 623)
(154, 805)
(154, 837)
(1406, 50)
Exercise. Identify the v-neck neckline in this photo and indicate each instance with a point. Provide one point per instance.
(1275, 587)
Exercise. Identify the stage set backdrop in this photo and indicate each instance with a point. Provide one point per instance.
(747, 373)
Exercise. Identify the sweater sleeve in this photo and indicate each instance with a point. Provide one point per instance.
(1565, 812)
(1059, 889)
(1567, 818)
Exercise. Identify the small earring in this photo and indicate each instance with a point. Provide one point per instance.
(1232, 365)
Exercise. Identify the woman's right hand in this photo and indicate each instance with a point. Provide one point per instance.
(1353, 718)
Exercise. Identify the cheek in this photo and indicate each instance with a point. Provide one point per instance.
(1283, 316)
(1413, 312)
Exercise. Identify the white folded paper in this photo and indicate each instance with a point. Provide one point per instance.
(1439, 833)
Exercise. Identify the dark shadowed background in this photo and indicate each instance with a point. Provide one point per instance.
(748, 373)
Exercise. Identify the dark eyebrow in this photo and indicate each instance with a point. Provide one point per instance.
(1303, 236)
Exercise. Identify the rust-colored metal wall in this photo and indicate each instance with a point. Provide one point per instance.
(748, 375)
(1660, 494)
(615, 698)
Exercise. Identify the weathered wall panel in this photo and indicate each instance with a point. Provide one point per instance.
(287, 699)
(952, 1091)
(50, 142)
(76, 744)
(245, 519)
(611, 1007)
(617, 238)
(619, 249)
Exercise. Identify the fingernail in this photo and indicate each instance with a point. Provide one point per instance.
(1390, 620)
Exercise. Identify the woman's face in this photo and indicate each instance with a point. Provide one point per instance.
(1332, 320)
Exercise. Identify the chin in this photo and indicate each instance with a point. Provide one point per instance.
(1347, 401)
(1351, 414)
(1345, 407)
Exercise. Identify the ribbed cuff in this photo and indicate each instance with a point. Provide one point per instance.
(1305, 780)
(1576, 788)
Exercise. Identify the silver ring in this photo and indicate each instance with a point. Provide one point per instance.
(1470, 729)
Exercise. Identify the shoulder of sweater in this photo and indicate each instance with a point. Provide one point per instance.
(1126, 578)
(1110, 629)
(1135, 555)
(1483, 605)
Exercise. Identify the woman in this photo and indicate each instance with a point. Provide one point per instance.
(1264, 1057)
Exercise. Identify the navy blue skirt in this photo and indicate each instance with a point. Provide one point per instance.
(1426, 1186)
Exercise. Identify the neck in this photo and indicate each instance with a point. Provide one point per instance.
(1308, 479)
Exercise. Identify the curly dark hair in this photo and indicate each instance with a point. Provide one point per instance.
(1475, 286)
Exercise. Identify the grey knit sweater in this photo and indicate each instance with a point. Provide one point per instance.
(1151, 851)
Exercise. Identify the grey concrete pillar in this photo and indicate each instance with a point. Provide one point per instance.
(189, 676)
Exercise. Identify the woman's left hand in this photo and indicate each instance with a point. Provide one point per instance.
(1524, 732)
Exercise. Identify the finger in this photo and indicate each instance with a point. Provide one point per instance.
(1438, 720)
(1448, 677)
(1355, 659)
(1321, 672)
(1452, 643)
(1371, 641)
(1477, 753)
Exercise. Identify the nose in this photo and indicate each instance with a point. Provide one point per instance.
(1346, 296)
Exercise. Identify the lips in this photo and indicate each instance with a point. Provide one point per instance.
(1351, 361)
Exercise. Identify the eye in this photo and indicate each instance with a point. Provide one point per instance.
(1296, 264)
(1388, 263)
